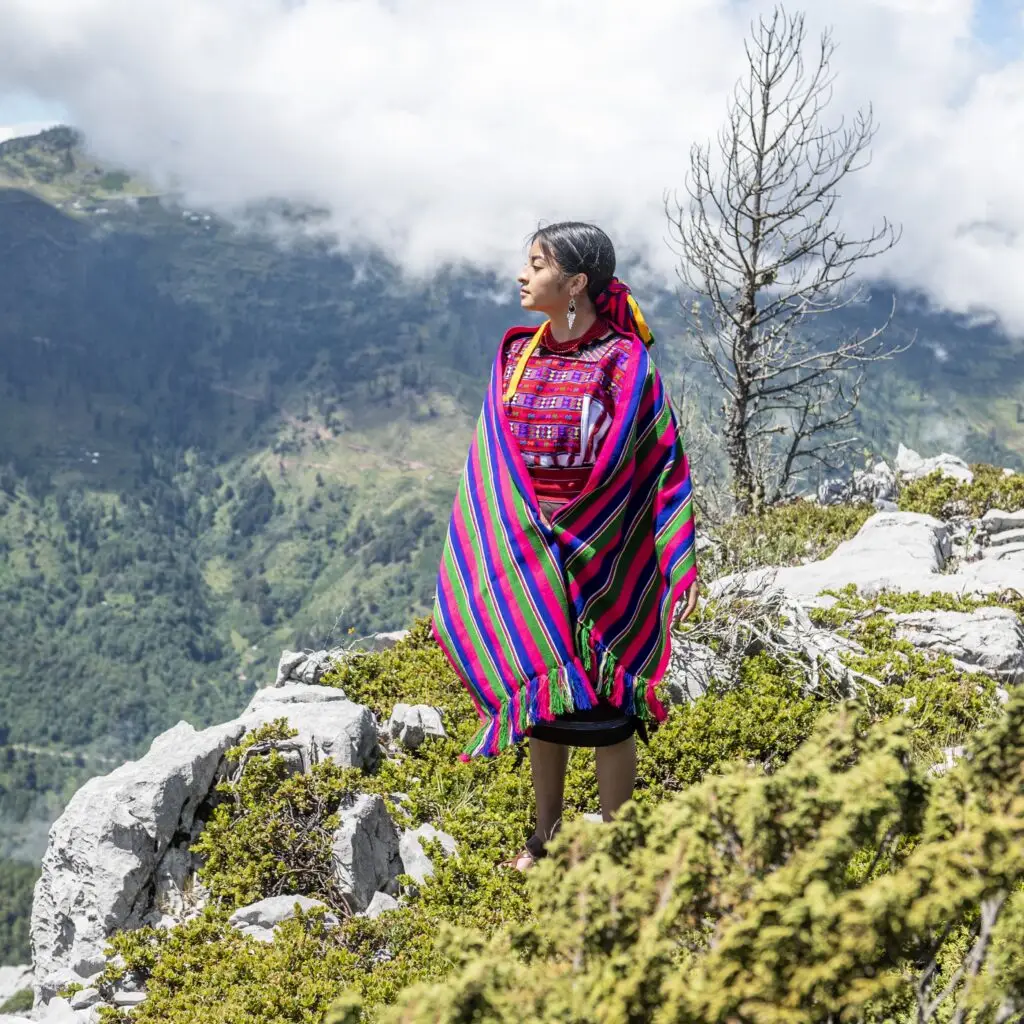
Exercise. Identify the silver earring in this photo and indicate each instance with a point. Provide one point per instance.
(570, 315)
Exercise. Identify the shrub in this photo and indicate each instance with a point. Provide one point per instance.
(272, 834)
(782, 535)
(20, 1002)
(943, 497)
(735, 901)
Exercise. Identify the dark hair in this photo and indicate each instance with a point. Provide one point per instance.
(579, 248)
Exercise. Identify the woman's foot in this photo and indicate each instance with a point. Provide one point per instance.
(533, 850)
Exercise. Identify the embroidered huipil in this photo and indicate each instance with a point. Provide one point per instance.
(564, 405)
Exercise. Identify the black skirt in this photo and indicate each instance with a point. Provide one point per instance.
(601, 726)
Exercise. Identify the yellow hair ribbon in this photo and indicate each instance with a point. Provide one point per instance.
(645, 332)
(517, 376)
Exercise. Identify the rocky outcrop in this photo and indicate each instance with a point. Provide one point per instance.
(105, 850)
(260, 920)
(892, 550)
(337, 729)
(415, 861)
(877, 486)
(309, 666)
(294, 693)
(365, 851)
(988, 640)
(411, 724)
(902, 551)
(912, 466)
(119, 856)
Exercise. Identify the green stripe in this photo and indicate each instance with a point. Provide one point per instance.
(461, 601)
(509, 563)
(630, 544)
(476, 544)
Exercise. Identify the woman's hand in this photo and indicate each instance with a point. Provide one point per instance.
(689, 606)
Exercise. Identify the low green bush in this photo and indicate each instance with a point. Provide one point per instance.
(20, 1002)
(943, 497)
(735, 900)
(271, 832)
(782, 535)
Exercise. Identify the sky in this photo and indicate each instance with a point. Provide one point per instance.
(444, 131)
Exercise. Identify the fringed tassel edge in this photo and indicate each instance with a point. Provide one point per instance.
(560, 691)
(633, 693)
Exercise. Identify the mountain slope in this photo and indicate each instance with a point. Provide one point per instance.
(213, 446)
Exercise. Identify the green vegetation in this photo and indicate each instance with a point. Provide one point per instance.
(273, 833)
(212, 448)
(16, 883)
(944, 497)
(792, 534)
(20, 1002)
(799, 791)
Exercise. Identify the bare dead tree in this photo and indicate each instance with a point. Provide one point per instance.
(759, 243)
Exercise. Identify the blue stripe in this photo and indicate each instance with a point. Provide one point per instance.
(536, 585)
(493, 570)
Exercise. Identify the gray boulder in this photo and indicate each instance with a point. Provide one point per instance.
(260, 920)
(380, 904)
(411, 724)
(340, 730)
(288, 662)
(892, 550)
(304, 666)
(912, 466)
(415, 862)
(988, 640)
(365, 850)
(104, 850)
(692, 668)
(294, 693)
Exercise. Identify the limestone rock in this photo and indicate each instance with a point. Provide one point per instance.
(385, 641)
(365, 850)
(339, 729)
(411, 724)
(692, 668)
(912, 466)
(84, 998)
(996, 521)
(294, 693)
(988, 640)
(289, 661)
(380, 904)
(892, 550)
(104, 850)
(260, 920)
(414, 860)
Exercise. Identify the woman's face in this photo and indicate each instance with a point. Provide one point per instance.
(542, 286)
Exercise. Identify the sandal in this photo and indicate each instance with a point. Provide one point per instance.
(533, 850)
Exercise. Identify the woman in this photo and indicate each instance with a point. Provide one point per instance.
(571, 539)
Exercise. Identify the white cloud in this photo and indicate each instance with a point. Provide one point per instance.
(445, 129)
(14, 131)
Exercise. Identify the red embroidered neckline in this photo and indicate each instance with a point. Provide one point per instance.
(562, 348)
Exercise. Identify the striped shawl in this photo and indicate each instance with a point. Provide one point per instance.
(537, 620)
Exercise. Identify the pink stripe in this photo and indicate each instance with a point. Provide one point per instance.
(492, 542)
(621, 423)
(619, 686)
(479, 681)
(457, 669)
(531, 568)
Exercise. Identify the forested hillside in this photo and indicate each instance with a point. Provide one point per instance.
(214, 445)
